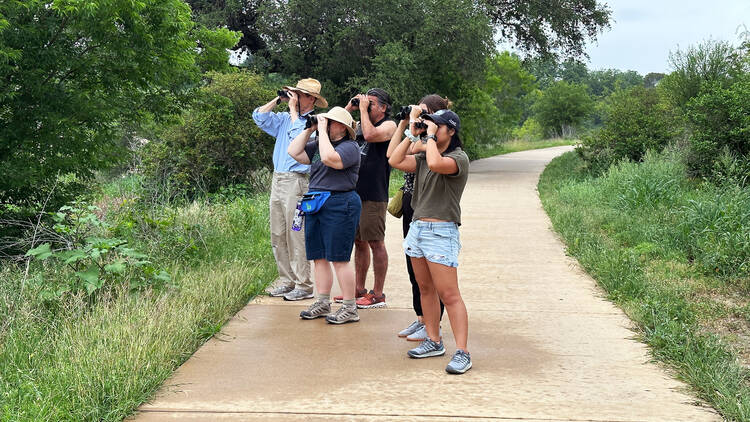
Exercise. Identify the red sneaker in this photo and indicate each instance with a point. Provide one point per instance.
(357, 295)
(371, 301)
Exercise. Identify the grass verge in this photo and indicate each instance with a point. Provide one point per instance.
(71, 360)
(674, 255)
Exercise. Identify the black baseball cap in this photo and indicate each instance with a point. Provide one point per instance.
(445, 117)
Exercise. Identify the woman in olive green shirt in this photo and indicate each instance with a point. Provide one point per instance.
(442, 169)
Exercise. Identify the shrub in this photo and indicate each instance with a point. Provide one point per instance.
(531, 130)
(217, 144)
(720, 121)
(636, 120)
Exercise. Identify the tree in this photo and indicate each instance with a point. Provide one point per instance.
(339, 42)
(604, 82)
(508, 83)
(652, 79)
(562, 107)
(704, 64)
(549, 28)
(75, 73)
(235, 15)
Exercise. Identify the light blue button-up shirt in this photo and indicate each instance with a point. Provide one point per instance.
(280, 126)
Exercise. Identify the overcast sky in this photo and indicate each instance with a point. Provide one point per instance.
(644, 32)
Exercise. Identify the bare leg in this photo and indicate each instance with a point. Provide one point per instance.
(445, 280)
(323, 276)
(361, 262)
(430, 301)
(345, 274)
(379, 264)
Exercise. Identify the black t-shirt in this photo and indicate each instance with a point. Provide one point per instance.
(374, 170)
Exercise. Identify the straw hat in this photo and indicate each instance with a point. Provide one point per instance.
(310, 86)
(342, 116)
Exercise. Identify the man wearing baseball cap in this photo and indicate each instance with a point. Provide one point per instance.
(290, 181)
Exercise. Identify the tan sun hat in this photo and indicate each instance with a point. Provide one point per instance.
(342, 116)
(310, 86)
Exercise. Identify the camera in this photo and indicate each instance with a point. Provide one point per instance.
(312, 119)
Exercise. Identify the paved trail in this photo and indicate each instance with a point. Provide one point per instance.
(545, 345)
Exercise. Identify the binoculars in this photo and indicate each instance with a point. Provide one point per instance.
(355, 102)
(282, 94)
(312, 119)
(406, 111)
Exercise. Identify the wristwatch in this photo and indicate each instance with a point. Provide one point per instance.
(428, 137)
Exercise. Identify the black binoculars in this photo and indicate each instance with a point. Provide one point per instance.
(282, 94)
(312, 119)
(406, 111)
(355, 102)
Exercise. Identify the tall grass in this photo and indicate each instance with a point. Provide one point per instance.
(673, 253)
(72, 361)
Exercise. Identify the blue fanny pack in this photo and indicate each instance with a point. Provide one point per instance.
(312, 202)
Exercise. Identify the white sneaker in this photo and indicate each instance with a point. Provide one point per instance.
(421, 334)
(416, 325)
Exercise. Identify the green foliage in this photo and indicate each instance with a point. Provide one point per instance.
(636, 120)
(705, 64)
(719, 119)
(531, 130)
(235, 15)
(217, 144)
(562, 107)
(213, 45)
(604, 82)
(96, 260)
(77, 73)
(549, 27)
(447, 43)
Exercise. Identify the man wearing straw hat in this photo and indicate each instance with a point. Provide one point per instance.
(290, 180)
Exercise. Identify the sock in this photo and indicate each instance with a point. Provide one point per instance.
(326, 298)
(350, 302)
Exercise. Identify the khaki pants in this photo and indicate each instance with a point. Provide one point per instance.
(289, 245)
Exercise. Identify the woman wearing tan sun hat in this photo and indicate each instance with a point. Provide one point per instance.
(290, 180)
(330, 229)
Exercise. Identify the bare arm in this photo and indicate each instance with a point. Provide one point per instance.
(328, 154)
(435, 161)
(400, 160)
(397, 137)
(371, 133)
(297, 148)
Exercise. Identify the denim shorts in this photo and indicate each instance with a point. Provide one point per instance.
(437, 242)
(329, 233)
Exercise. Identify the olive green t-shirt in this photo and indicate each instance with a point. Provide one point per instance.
(439, 195)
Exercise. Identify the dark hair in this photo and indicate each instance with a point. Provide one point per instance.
(383, 98)
(455, 143)
(435, 102)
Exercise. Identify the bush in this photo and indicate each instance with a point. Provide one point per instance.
(531, 131)
(217, 144)
(636, 120)
(720, 123)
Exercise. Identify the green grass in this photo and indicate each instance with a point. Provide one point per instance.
(674, 254)
(70, 360)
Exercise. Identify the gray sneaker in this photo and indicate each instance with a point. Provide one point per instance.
(460, 363)
(416, 325)
(427, 349)
(281, 290)
(343, 315)
(318, 309)
(298, 294)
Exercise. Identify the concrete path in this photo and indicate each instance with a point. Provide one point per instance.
(545, 345)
